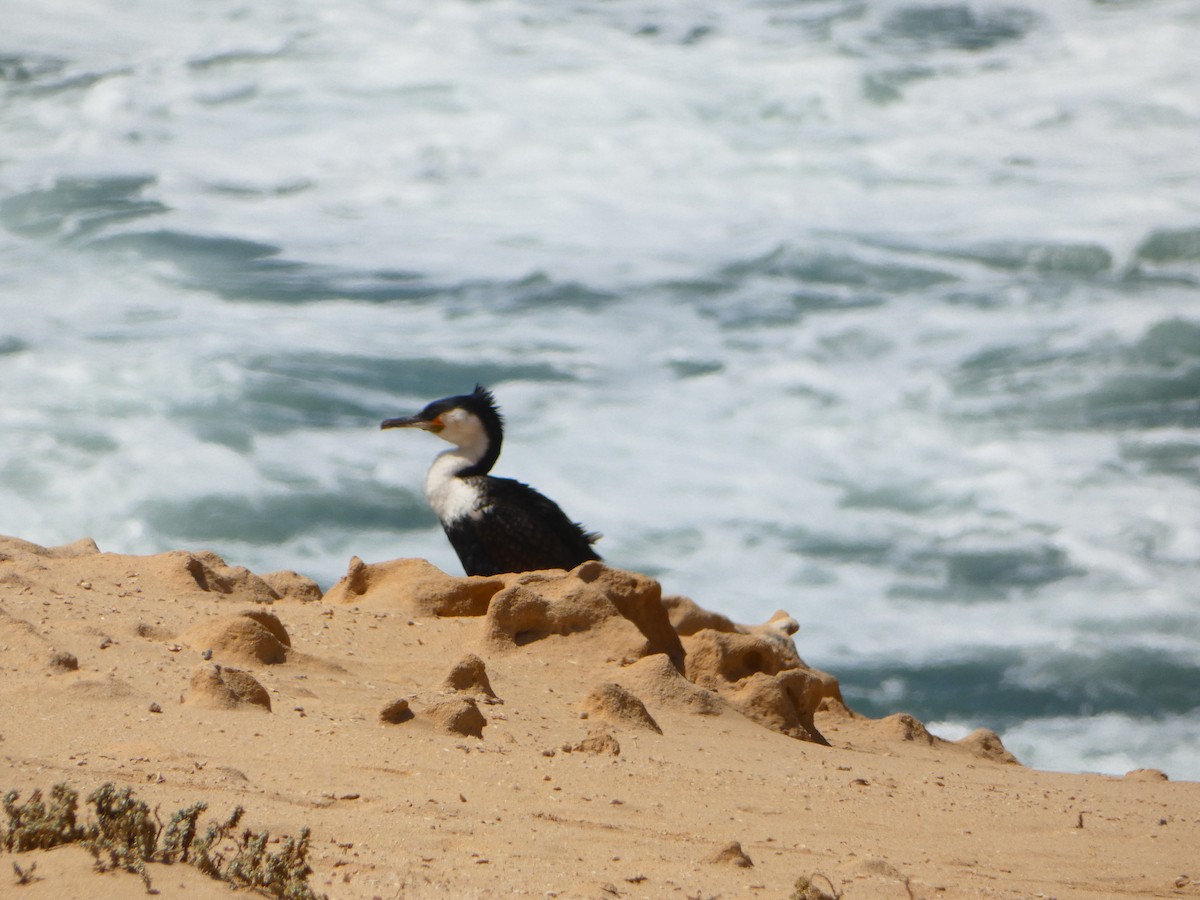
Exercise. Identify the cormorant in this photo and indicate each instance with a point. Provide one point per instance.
(494, 524)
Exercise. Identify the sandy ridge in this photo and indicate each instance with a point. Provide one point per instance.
(550, 734)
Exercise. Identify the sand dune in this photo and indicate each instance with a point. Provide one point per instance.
(548, 734)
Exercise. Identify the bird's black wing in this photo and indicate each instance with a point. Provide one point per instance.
(517, 529)
(472, 553)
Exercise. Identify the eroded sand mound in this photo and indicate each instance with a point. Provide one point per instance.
(220, 687)
(254, 636)
(617, 704)
(618, 614)
(178, 573)
(657, 680)
(677, 654)
(413, 586)
(759, 672)
(459, 715)
(469, 674)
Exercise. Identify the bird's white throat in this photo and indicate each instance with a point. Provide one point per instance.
(451, 497)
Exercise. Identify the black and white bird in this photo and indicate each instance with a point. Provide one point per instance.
(494, 524)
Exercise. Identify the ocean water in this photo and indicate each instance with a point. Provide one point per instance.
(883, 313)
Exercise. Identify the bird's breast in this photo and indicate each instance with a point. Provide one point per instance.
(452, 498)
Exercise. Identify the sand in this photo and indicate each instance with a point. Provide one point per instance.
(552, 735)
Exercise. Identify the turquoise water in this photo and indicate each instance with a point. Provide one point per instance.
(884, 314)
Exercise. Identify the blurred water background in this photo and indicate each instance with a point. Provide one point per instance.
(884, 313)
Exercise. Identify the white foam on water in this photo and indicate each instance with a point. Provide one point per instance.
(1109, 744)
(760, 408)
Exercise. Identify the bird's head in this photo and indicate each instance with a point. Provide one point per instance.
(470, 421)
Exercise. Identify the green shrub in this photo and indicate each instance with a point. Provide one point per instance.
(126, 834)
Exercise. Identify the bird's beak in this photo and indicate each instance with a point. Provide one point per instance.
(412, 422)
(404, 422)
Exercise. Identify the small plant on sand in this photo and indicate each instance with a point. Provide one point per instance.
(124, 831)
(25, 876)
(126, 834)
(181, 832)
(35, 825)
(285, 872)
(807, 889)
